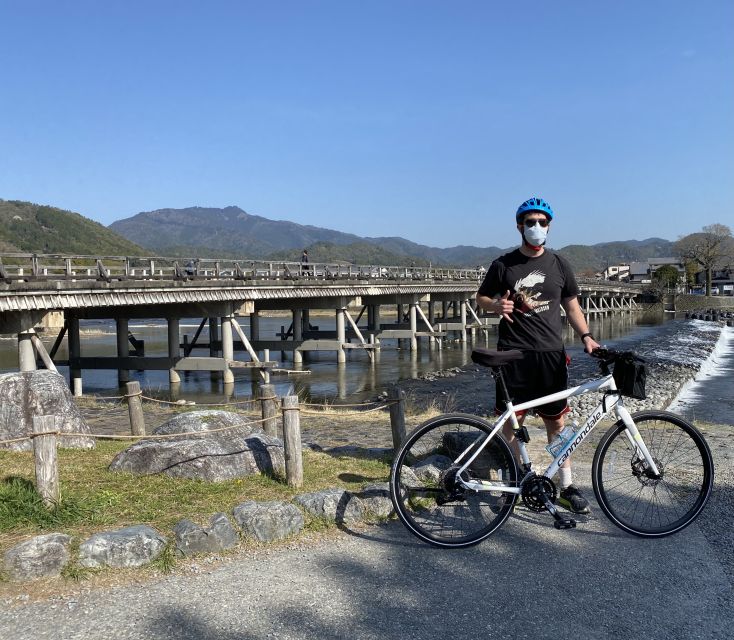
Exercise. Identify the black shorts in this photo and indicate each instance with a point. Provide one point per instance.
(539, 373)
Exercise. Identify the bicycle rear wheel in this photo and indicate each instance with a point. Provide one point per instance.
(639, 503)
(424, 487)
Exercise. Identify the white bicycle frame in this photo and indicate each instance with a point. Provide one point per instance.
(611, 401)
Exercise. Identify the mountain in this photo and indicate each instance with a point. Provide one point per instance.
(27, 227)
(234, 233)
(227, 232)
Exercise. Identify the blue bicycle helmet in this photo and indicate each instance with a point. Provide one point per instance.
(534, 204)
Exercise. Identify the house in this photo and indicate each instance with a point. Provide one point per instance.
(619, 272)
(722, 282)
(643, 272)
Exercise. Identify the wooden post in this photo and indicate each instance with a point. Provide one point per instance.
(397, 415)
(292, 441)
(135, 408)
(269, 407)
(44, 452)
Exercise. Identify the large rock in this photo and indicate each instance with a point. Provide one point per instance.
(128, 547)
(39, 393)
(335, 505)
(39, 557)
(376, 499)
(240, 450)
(218, 536)
(268, 521)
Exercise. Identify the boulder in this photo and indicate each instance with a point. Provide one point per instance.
(39, 393)
(376, 499)
(128, 547)
(218, 536)
(336, 505)
(39, 557)
(240, 450)
(268, 521)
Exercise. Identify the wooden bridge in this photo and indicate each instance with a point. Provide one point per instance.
(429, 303)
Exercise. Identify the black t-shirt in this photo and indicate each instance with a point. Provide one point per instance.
(537, 286)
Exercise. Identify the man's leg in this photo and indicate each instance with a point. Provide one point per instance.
(570, 497)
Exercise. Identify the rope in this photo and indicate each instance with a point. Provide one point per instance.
(344, 413)
(185, 403)
(361, 404)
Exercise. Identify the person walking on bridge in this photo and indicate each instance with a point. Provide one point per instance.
(527, 288)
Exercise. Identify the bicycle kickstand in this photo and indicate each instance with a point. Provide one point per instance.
(559, 521)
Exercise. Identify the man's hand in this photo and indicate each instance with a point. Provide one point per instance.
(505, 306)
(590, 344)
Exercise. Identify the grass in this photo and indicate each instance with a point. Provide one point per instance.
(95, 499)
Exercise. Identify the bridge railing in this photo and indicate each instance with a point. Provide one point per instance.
(21, 267)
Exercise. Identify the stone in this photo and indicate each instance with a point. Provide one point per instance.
(268, 521)
(129, 547)
(336, 505)
(218, 536)
(241, 450)
(40, 557)
(39, 393)
(376, 499)
(429, 470)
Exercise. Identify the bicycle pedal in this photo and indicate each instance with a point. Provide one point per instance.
(565, 523)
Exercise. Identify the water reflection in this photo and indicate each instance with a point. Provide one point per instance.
(360, 378)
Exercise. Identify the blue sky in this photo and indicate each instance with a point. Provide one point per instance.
(429, 120)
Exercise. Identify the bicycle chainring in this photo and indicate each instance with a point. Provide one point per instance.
(532, 490)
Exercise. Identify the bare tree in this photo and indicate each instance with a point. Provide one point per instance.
(710, 248)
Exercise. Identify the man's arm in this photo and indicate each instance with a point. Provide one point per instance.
(577, 320)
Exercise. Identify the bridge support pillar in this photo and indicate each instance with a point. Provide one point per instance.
(462, 316)
(227, 348)
(123, 350)
(75, 348)
(341, 338)
(297, 334)
(174, 350)
(255, 326)
(26, 352)
(413, 314)
(213, 350)
(431, 320)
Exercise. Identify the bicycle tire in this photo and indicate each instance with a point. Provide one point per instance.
(421, 471)
(650, 507)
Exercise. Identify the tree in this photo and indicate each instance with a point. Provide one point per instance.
(710, 248)
(667, 276)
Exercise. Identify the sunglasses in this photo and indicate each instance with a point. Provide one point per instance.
(532, 223)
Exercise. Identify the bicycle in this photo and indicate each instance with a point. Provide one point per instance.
(455, 479)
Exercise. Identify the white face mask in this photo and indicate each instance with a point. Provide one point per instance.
(535, 235)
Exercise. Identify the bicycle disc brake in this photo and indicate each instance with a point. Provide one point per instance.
(454, 491)
(532, 492)
(643, 473)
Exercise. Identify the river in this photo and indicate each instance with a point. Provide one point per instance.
(654, 336)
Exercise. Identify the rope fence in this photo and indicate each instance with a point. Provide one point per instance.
(45, 432)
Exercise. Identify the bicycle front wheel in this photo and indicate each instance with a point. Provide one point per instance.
(427, 493)
(636, 501)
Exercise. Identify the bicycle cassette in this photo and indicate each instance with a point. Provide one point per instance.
(532, 492)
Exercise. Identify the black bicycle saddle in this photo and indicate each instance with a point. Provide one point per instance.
(492, 358)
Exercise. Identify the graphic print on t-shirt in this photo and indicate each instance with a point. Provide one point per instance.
(526, 295)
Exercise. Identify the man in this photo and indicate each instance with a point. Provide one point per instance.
(527, 288)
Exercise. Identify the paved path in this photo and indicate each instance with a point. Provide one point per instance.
(382, 583)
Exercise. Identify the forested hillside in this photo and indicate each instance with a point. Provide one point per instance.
(28, 227)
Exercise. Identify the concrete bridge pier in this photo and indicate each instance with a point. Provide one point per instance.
(123, 350)
(26, 351)
(213, 341)
(431, 321)
(341, 355)
(227, 349)
(297, 334)
(174, 350)
(413, 315)
(462, 319)
(75, 348)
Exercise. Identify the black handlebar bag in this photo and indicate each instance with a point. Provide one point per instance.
(630, 374)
